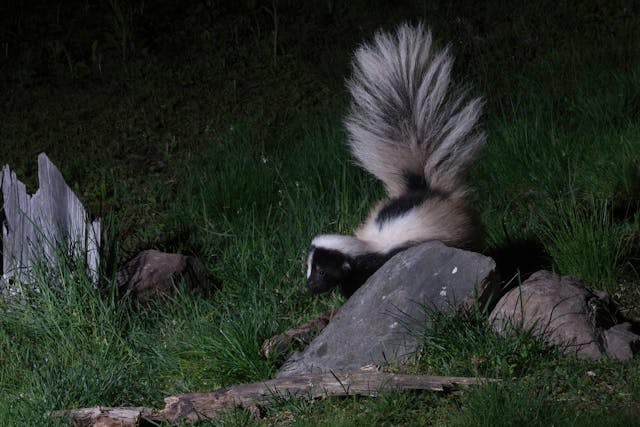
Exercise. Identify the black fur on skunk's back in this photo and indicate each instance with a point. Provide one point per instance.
(418, 132)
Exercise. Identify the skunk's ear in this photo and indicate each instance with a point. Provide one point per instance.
(346, 266)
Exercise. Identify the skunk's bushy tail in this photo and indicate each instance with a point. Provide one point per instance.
(407, 117)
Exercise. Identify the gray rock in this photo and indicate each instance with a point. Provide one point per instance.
(621, 342)
(383, 320)
(153, 273)
(564, 312)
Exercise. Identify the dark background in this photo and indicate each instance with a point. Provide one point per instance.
(123, 95)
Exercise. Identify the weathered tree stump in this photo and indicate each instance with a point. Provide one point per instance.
(42, 227)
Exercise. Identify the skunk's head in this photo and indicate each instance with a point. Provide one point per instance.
(331, 261)
(326, 269)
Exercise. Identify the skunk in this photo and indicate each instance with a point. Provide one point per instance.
(418, 132)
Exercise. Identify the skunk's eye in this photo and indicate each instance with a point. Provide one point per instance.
(321, 273)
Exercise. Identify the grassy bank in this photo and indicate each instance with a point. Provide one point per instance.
(218, 133)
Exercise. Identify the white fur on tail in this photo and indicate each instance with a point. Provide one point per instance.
(407, 116)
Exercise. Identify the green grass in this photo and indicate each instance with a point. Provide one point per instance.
(196, 136)
(568, 173)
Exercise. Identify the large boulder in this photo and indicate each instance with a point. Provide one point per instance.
(383, 321)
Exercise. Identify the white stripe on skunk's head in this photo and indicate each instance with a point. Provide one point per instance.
(330, 261)
(347, 245)
(312, 249)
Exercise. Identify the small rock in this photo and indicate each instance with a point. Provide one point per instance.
(564, 312)
(152, 273)
(621, 342)
(383, 320)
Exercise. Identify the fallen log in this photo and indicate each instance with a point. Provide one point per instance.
(194, 407)
(100, 416)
